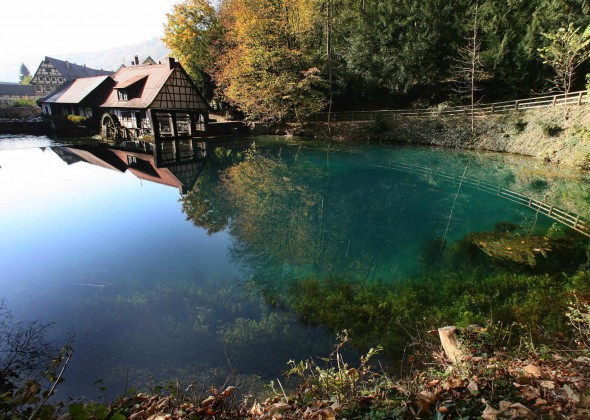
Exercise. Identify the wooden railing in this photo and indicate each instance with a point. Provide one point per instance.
(570, 219)
(570, 99)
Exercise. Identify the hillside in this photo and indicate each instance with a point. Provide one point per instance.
(110, 59)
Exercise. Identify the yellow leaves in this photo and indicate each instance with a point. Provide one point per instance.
(189, 33)
(263, 70)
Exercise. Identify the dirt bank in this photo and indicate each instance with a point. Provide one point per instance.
(552, 134)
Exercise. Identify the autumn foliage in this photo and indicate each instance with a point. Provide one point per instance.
(277, 60)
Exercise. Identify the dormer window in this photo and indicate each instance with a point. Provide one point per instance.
(131, 88)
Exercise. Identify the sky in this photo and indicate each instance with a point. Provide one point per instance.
(36, 28)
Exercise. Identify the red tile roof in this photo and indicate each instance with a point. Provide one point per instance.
(156, 76)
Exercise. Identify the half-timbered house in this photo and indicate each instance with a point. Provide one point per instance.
(10, 92)
(142, 101)
(53, 73)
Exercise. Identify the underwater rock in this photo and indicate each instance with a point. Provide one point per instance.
(513, 247)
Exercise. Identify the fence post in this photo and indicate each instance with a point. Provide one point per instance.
(516, 105)
(554, 100)
(493, 107)
(580, 99)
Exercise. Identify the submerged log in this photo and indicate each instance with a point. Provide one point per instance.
(451, 344)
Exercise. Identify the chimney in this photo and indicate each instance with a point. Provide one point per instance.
(171, 63)
(136, 60)
(67, 65)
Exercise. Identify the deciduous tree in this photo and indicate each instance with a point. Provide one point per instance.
(263, 68)
(189, 33)
(565, 51)
(468, 68)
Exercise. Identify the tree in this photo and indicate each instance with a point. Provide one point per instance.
(468, 67)
(190, 32)
(27, 362)
(264, 68)
(25, 75)
(566, 50)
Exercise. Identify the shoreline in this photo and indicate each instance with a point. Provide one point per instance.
(547, 134)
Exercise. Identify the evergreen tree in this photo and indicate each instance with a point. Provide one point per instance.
(25, 75)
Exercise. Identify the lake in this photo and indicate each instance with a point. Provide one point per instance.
(187, 271)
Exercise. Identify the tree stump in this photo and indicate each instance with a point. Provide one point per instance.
(451, 344)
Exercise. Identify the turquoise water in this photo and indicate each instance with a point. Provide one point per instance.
(164, 274)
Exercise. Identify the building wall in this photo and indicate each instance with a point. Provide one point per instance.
(47, 79)
(128, 118)
(179, 93)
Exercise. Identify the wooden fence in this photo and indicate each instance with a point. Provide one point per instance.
(565, 217)
(570, 99)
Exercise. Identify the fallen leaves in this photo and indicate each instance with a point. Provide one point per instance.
(532, 370)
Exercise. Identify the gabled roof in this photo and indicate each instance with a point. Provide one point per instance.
(73, 71)
(145, 83)
(77, 91)
(15, 89)
(156, 76)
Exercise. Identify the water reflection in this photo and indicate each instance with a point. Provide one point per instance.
(278, 244)
(176, 164)
(297, 212)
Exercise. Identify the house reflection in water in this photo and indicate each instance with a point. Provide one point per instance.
(176, 164)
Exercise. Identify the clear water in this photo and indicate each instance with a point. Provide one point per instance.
(164, 275)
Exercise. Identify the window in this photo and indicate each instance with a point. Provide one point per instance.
(125, 115)
(122, 94)
(132, 160)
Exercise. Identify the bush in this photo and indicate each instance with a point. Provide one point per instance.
(517, 122)
(23, 102)
(77, 119)
(551, 129)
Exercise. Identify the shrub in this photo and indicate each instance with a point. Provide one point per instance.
(379, 125)
(77, 119)
(23, 102)
(551, 129)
